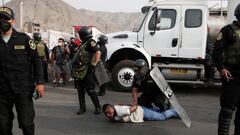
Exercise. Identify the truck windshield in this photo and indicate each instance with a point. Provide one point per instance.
(141, 19)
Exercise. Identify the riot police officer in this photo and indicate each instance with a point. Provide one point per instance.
(102, 41)
(43, 52)
(18, 58)
(84, 63)
(226, 56)
(150, 92)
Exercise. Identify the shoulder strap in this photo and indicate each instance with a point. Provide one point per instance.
(78, 51)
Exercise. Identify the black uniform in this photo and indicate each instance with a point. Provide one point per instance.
(18, 60)
(45, 59)
(150, 93)
(103, 50)
(226, 55)
(73, 49)
(45, 63)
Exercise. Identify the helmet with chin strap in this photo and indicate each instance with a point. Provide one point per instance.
(141, 68)
(85, 33)
(37, 36)
(140, 63)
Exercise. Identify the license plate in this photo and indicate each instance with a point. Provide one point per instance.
(179, 71)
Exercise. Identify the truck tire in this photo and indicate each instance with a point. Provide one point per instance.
(122, 75)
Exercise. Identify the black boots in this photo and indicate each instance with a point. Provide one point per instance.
(81, 111)
(82, 104)
(224, 121)
(94, 98)
(97, 110)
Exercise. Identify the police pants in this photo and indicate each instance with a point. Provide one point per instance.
(25, 113)
(45, 70)
(87, 85)
(230, 98)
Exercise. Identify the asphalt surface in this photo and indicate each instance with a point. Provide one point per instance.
(56, 114)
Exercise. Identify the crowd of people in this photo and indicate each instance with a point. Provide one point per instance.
(58, 61)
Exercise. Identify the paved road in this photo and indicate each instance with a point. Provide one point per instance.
(55, 114)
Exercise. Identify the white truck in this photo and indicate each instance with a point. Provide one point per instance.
(170, 33)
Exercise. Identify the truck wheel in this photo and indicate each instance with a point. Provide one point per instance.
(122, 75)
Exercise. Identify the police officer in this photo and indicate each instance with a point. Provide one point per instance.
(43, 52)
(18, 58)
(150, 92)
(226, 56)
(84, 63)
(102, 41)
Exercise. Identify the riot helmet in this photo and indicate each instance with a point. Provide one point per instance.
(102, 40)
(85, 33)
(37, 36)
(141, 68)
(140, 63)
(237, 12)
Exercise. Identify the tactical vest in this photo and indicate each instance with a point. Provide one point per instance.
(41, 49)
(232, 52)
(85, 60)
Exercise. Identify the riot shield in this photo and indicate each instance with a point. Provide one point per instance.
(167, 91)
(101, 73)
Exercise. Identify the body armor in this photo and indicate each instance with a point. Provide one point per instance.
(232, 52)
(41, 49)
(81, 62)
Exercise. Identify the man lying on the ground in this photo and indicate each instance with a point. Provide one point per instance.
(136, 113)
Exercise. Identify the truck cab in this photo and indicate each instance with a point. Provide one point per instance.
(170, 34)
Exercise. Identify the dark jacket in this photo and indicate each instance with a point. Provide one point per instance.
(225, 38)
(19, 64)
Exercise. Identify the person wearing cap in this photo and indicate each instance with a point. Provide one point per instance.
(226, 56)
(18, 60)
(144, 83)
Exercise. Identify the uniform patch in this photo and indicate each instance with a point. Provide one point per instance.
(32, 45)
(93, 44)
(219, 37)
(19, 47)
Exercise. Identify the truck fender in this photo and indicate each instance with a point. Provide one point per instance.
(126, 46)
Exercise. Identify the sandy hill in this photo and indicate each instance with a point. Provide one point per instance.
(58, 15)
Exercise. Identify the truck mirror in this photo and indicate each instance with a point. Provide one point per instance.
(156, 20)
(145, 9)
